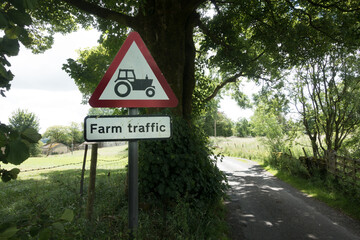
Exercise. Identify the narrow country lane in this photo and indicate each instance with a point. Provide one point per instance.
(265, 208)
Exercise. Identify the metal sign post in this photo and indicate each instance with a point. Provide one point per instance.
(133, 182)
(132, 80)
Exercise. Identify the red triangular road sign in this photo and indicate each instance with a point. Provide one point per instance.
(133, 80)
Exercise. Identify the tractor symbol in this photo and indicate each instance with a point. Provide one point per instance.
(126, 82)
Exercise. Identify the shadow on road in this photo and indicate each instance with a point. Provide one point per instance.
(262, 207)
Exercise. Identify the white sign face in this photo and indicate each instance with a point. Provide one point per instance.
(134, 79)
(123, 128)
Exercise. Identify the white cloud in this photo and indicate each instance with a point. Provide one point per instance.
(41, 87)
(232, 109)
(51, 107)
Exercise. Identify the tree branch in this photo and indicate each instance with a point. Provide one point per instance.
(194, 4)
(311, 22)
(232, 79)
(333, 5)
(221, 85)
(101, 12)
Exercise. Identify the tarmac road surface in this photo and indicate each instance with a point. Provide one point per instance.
(265, 208)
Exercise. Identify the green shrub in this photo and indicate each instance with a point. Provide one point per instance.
(181, 166)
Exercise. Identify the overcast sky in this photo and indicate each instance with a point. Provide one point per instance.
(41, 87)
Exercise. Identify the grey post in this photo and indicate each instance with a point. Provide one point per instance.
(133, 182)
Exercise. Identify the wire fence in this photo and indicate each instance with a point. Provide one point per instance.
(101, 163)
(26, 175)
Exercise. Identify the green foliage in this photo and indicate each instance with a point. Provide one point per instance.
(181, 166)
(76, 134)
(42, 226)
(224, 125)
(67, 135)
(14, 21)
(327, 90)
(210, 118)
(243, 128)
(21, 120)
(267, 124)
(88, 69)
(59, 134)
(15, 148)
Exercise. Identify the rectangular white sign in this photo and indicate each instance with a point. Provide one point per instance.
(124, 128)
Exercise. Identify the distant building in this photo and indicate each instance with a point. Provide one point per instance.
(54, 148)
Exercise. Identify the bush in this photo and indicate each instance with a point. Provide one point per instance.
(181, 166)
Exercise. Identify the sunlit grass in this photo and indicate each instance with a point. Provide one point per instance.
(39, 197)
(32, 166)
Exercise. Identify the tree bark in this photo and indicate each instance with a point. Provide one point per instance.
(167, 30)
(166, 26)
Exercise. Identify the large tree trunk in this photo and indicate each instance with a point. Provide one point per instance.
(167, 31)
(166, 26)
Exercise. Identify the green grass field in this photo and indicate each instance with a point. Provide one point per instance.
(34, 167)
(33, 204)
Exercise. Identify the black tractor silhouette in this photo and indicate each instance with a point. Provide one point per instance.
(127, 82)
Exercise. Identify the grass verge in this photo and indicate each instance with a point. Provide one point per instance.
(32, 205)
(325, 190)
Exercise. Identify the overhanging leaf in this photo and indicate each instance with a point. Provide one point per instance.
(18, 152)
(13, 32)
(9, 47)
(31, 135)
(19, 17)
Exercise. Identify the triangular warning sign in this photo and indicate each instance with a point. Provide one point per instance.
(133, 80)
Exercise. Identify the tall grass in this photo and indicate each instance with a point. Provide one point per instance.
(249, 148)
(35, 201)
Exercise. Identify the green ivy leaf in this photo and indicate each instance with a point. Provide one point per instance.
(45, 234)
(68, 215)
(18, 152)
(9, 232)
(59, 227)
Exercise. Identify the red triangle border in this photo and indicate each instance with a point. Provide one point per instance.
(95, 100)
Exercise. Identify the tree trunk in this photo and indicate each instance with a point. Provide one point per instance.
(167, 31)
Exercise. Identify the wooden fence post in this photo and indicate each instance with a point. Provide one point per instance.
(91, 189)
(83, 171)
(331, 159)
